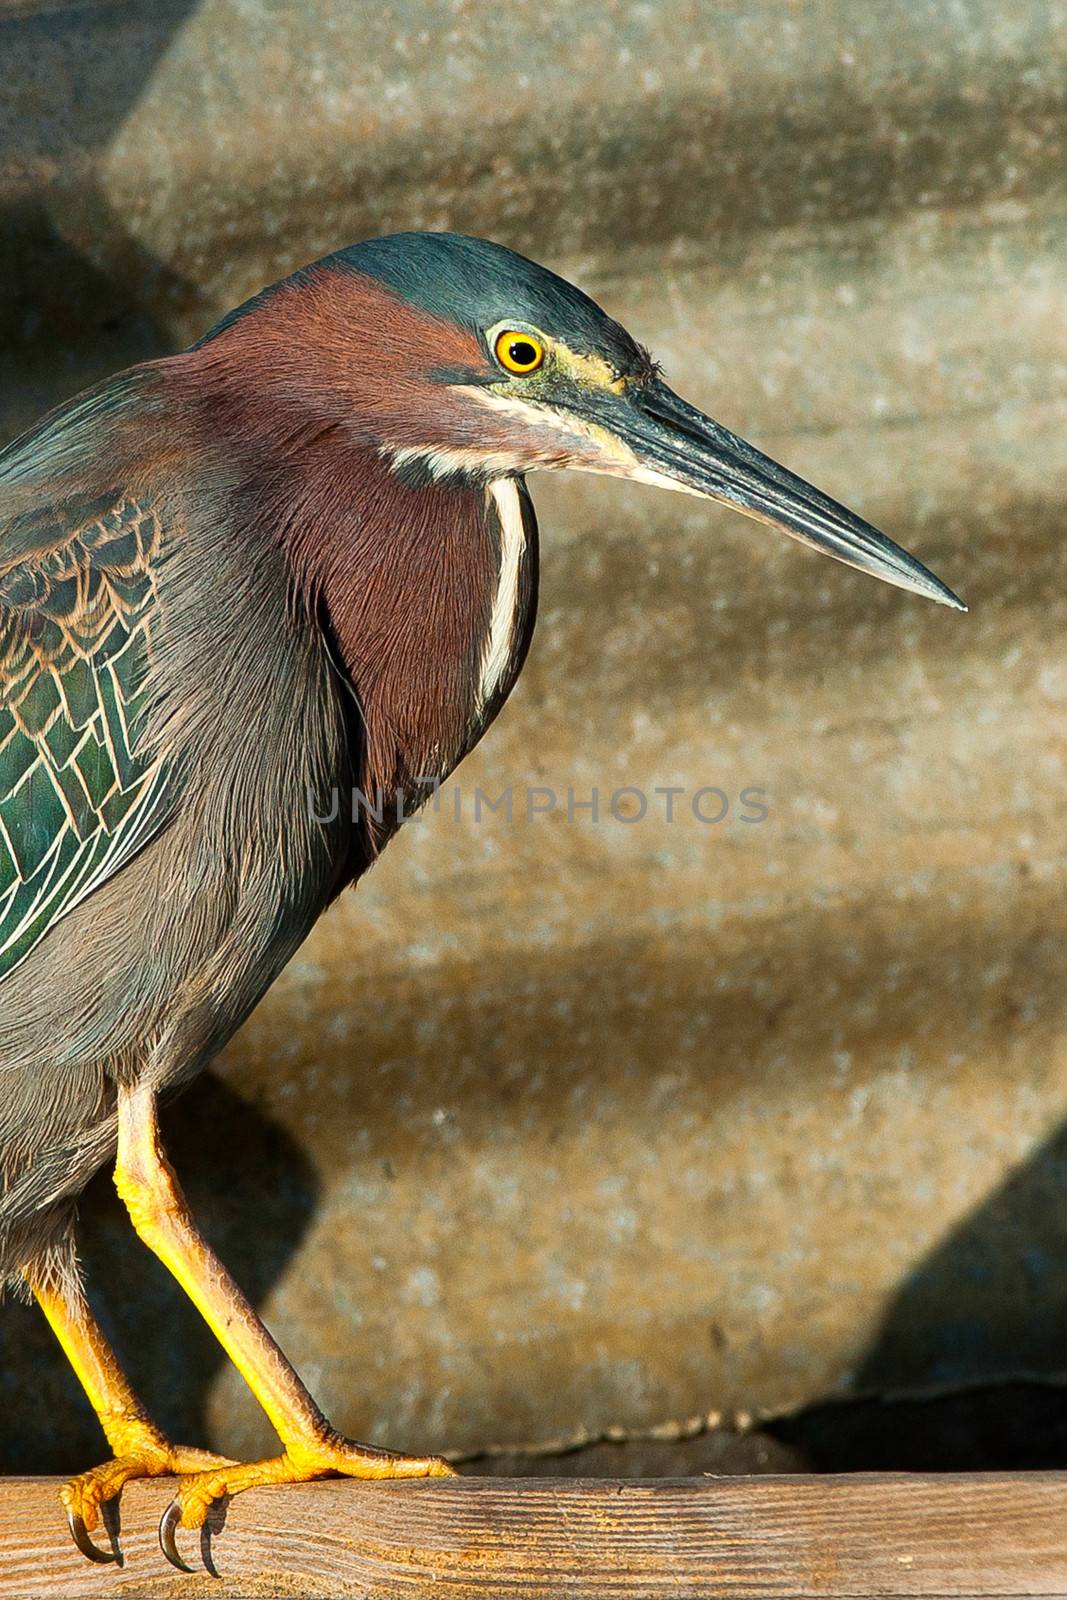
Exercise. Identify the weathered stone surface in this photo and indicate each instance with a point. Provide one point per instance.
(561, 1122)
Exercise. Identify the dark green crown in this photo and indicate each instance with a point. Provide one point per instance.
(476, 284)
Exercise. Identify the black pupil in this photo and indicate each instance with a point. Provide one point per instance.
(522, 352)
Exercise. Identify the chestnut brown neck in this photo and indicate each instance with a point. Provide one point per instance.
(400, 581)
(400, 577)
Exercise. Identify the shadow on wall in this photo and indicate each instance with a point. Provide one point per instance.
(65, 319)
(991, 1296)
(995, 1287)
(982, 1320)
(253, 1193)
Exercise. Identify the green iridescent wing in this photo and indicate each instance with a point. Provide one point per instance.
(79, 791)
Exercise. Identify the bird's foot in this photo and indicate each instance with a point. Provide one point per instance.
(142, 1452)
(321, 1457)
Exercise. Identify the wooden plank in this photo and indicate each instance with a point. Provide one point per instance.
(978, 1535)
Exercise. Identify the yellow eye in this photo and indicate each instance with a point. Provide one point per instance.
(517, 351)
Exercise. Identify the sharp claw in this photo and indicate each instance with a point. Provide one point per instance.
(168, 1525)
(80, 1534)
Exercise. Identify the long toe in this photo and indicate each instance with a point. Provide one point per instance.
(354, 1460)
(321, 1458)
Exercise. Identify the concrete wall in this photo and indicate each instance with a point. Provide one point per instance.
(558, 1123)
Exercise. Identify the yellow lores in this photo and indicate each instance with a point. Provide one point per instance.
(522, 351)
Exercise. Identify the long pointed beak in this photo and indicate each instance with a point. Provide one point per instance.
(680, 448)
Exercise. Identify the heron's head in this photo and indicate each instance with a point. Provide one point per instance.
(458, 359)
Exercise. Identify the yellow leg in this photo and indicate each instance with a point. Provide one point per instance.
(311, 1447)
(140, 1449)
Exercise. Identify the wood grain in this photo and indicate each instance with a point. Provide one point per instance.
(687, 1539)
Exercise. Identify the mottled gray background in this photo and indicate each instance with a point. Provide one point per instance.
(561, 1126)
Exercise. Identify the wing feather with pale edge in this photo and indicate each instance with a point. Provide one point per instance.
(79, 791)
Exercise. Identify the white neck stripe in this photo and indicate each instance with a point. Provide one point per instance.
(500, 643)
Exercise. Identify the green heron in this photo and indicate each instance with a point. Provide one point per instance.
(298, 557)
